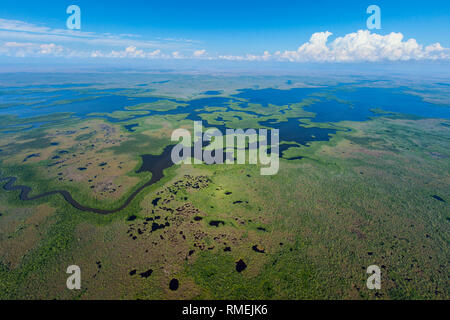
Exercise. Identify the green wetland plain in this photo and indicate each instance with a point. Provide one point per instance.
(85, 180)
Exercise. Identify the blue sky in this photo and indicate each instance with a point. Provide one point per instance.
(233, 30)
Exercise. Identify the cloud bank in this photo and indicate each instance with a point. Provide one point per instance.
(21, 39)
(363, 46)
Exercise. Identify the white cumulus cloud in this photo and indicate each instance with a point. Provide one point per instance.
(363, 46)
(26, 49)
(128, 52)
(199, 53)
(248, 57)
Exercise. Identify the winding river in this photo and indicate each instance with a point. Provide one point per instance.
(159, 163)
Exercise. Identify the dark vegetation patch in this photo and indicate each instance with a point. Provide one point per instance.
(133, 272)
(146, 274)
(240, 265)
(365, 140)
(39, 143)
(137, 143)
(157, 226)
(216, 223)
(173, 285)
(155, 201)
(168, 214)
(131, 218)
(258, 248)
(85, 136)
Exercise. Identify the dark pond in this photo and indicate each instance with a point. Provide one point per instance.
(156, 164)
(211, 93)
(438, 198)
(130, 127)
(34, 155)
(160, 82)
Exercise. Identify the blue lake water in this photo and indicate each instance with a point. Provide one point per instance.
(360, 102)
(333, 111)
(93, 103)
(353, 104)
(275, 96)
(290, 131)
(212, 93)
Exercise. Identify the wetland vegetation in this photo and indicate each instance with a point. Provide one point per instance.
(363, 179)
